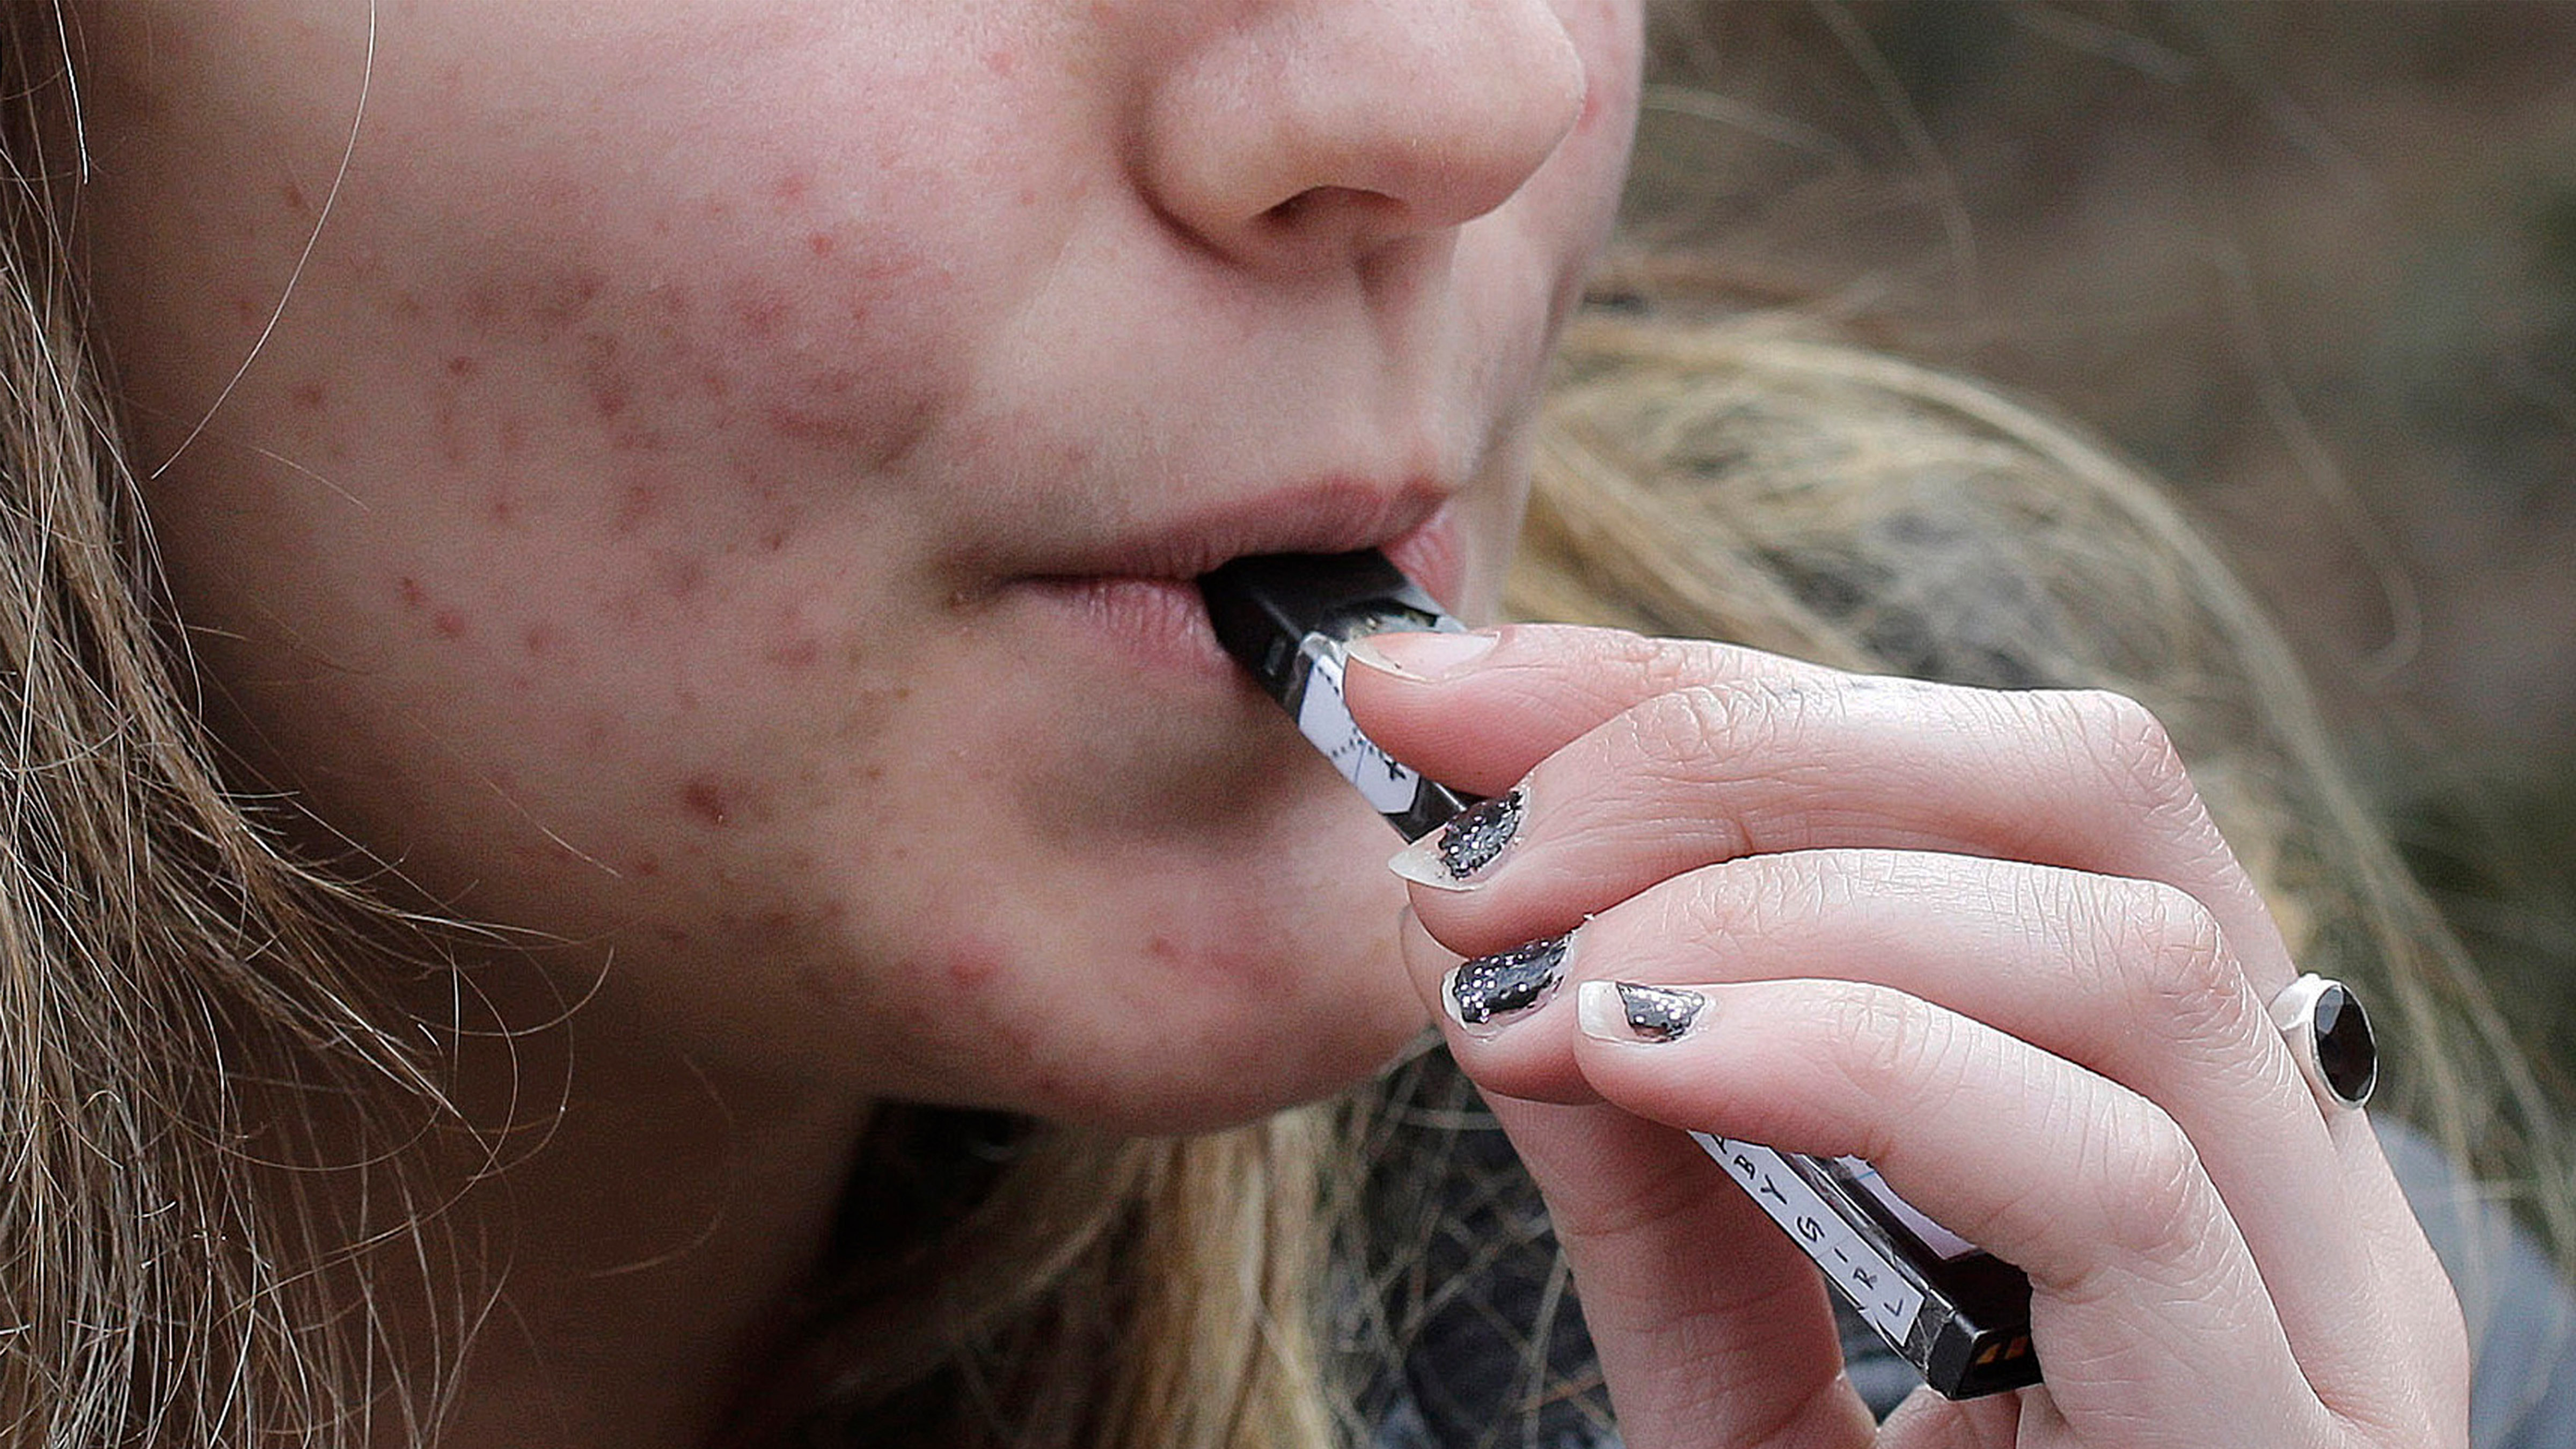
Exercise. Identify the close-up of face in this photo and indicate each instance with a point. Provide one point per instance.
(715, 485)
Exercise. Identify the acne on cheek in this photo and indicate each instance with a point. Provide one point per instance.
(775, 316)
(446, 620)
(705, 359)
(956, 991)
(645, 454)
(680, 526)
(719, 802)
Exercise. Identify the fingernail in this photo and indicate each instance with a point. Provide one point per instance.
(1627, 1011)
(1483, 994)
(1453, 855)
(1424, 654)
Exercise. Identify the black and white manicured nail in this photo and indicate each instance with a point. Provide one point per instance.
(1455, 854)
(1627, 1011)
(1484, 994)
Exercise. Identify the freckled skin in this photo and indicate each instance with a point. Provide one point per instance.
(667, 398)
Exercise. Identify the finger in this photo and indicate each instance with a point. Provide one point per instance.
(1508, 1019)
(2147, 1308)
(1928, 1421)
(2130, 979)
(1710, 1327)
(1537, 688)
(2084, 780)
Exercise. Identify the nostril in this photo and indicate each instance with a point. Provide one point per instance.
(1294, 210)
(1340, 209)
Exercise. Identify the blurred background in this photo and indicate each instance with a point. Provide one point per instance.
(2314, 261)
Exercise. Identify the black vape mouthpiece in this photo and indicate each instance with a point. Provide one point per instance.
(1286, 618)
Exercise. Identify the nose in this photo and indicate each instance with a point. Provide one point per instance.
(1314, 128)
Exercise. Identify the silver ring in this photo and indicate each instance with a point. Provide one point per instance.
(2329, 1037)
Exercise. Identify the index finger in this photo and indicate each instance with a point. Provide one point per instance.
(1490, 705)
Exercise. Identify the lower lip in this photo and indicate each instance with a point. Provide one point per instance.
(1158, 621)
(1163, 622)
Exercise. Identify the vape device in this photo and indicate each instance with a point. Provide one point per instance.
(1956, 1312)
(1286, 617)
(1959, 1314)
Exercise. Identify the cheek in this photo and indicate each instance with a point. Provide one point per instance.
(574, 527)
(621, 240)
(564, 342)
(588, 418)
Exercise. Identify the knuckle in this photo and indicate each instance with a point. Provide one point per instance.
(2153, 1192)
(1652, 665)
(2174, 985)
(1693, 737)
(1696, 723)
(1661, 666)
(2127, 746)
(1722, 912)
(1730, 907)
(1713, 731)
(2171, 955)
(1888, 1046)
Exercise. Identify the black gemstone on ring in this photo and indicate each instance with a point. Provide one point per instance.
(1472, 840)
(1507, 981)
(2346, 1052)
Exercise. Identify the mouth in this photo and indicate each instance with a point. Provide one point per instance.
(1139, 595)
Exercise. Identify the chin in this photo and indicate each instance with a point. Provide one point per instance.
(1193, 1042)
(1208, 1085)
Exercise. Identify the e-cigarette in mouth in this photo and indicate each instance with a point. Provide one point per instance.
(1960, 1315)
(1287, 618)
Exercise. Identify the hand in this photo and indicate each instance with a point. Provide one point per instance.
(1989, 941)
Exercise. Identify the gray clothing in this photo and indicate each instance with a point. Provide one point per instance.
(2521, 1315)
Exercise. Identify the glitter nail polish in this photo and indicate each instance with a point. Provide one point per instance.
(1482, 991)
(1477, 836)
(1659, 1013)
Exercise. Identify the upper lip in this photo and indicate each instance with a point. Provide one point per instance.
(1333, 515)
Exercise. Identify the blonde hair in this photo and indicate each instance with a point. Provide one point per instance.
(175, 1016)
(180, 1023)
